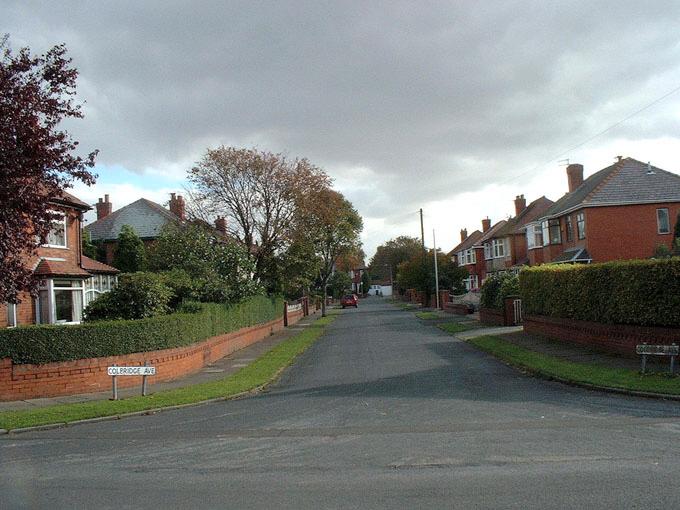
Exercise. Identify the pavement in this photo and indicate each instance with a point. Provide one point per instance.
(218, 370)
(384, 411)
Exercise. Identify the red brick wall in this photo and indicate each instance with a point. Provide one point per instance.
(456, 308)
(626, 232)
(618, 338)
(18, 382)
(491, 317)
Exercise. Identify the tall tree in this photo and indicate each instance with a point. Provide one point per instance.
(130, 254)
(260, 195)
(418, 273)
(37, 158)
(388, 256)
(331, 226)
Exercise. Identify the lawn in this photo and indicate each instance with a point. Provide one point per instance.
(428, 316)
(456, 327)
(584, 373)
(261, 372)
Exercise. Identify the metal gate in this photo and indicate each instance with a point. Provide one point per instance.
(517, 308)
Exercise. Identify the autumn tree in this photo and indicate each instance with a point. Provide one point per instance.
(331, 227)
(388, 256)
(38, 158)
(418, 273)
(260, 195)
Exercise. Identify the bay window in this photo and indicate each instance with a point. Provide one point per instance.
(498, 248)
(60, 302)
(570, 229)
(534, 236)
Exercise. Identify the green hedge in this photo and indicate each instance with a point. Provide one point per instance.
(642, 292)
(44, 344)
(496, 288)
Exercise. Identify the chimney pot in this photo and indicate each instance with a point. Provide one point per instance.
(486, 224)
(177, 206)
(520, 204)
(221, 224)
(463, 234)
(574, 176)
(104, 207)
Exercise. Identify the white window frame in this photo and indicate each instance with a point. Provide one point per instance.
(50, 288)
(11, 315)
(488, 251)
(658, 222)
(499, 250)
(64, 220)
(581, 225)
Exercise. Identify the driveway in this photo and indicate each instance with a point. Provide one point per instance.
(383, 412)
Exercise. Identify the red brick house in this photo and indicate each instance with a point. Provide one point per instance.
(68, 279)
(505, 247)
(468, 254)
(146, 218)
(623, 211)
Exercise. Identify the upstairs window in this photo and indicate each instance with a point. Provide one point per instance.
(551, 232)
(57, 236)
(498, 248)
(488, 252)
(662, 221)
(581, 225)
(534, 236)
(570, 229)
(470, 256)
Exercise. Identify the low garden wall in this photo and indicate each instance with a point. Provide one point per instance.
(619, 338)
(24, 381)
(457, 308)
(613, 306)
(491, 316)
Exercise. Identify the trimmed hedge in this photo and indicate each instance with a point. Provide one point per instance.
(45, 344)
(641, 292)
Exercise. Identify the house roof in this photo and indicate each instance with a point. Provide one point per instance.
(572, 255)
(68, 199)
(469, 242)
(625, 182)
(147, 218)
(491, 233)
(531, 212)
(94, 266)
(59, 268)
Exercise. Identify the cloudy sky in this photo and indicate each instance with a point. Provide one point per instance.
(455, 107)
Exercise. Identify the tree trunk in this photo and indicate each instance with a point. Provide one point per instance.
(323, 303)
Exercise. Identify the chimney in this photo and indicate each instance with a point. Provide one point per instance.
(574, 176)
(221, 224)
(463, 235)
(520, 204)
(177, 206)
(104, 207)
(486, 224)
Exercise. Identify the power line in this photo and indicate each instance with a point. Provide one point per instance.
(593, 137)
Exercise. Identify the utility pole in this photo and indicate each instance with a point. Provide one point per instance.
(436, 270)
(422, 230)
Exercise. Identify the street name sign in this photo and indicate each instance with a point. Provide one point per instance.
(658, 350)
(115, 371)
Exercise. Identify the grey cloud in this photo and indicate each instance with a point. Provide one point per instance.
(434, 98)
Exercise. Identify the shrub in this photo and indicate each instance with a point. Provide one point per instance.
(496, 288)
(44, 344)
(642, 292)
(137, 296)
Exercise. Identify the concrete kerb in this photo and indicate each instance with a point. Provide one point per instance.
(468, 335)
(146, 412)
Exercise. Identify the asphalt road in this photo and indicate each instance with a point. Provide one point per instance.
(382, 412)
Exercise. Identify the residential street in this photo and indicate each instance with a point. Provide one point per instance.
(384, 411)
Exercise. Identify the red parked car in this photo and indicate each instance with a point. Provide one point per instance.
(350, 300)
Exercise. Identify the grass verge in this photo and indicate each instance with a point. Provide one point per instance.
(262, 371)
(456, 327)
(428, 316)
(580, 373)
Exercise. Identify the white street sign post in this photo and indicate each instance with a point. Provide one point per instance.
(115, 371)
